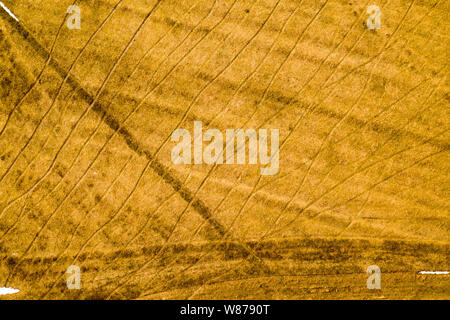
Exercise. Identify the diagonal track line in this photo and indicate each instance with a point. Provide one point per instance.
(115, 125)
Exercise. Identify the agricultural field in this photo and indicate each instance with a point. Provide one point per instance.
(87, 176)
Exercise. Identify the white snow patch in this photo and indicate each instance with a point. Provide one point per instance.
(9, 11)
(434, 272)
(4, 291)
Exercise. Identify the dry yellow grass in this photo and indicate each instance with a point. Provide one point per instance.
(86, 176)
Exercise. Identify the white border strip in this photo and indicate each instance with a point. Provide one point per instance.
(5, 291)
(434, 272)
(10, 13)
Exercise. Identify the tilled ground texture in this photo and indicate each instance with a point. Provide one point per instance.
(86, 176)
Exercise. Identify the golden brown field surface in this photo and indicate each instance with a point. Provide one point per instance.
(86, 176)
